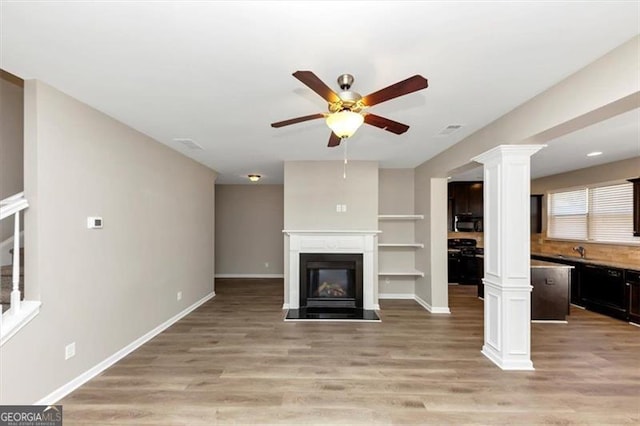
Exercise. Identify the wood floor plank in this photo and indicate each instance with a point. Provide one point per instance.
(236, 361)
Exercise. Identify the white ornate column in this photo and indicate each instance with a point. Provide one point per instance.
(507, 282)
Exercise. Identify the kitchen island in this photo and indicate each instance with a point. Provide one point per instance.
(551, 290)
(551, 284)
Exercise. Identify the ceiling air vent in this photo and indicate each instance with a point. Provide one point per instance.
(450, 129)
(189, 143)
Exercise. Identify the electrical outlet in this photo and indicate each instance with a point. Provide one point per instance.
(179, 296)
(70, 350)
(266, 264)
(338, 208)
(344, 208)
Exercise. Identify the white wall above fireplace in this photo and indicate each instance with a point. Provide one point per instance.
(331, 241)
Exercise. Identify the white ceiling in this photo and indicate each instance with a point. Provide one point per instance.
(220, 72)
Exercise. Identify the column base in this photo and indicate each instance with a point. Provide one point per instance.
(510, 364)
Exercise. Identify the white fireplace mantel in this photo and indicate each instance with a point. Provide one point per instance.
(332, 241)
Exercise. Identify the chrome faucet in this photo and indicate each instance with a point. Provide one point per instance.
(580, 250)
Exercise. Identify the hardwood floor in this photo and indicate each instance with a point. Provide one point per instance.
(234, 360)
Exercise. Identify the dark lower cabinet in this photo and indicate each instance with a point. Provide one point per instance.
(633, 295)
(603, 290)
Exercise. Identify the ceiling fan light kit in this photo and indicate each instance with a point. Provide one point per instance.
(344, 123)
(346, 108)
(254, 178)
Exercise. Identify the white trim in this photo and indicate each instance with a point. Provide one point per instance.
(285, 306)
(414, 273)
(634, 324)
(11, 323)
(335, 231)
(416, 245)
(74, 384)
(578, 306)
(12, 205)
(398, 296)
(400, 216)
(549, 322)
(516, 365)
(249, 276)
(431, 309)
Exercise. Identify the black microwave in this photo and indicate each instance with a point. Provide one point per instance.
(467, 223)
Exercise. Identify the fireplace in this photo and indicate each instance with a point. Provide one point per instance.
(330, 280)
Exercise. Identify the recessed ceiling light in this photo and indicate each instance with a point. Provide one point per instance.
(594, 154)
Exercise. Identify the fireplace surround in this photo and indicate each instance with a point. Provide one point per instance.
(362, 242)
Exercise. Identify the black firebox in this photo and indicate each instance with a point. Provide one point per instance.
(329, 280)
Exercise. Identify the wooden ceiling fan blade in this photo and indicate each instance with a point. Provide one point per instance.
(314, 83)
(334, 140)
(297, 120)
(404, 87)
(385, 124)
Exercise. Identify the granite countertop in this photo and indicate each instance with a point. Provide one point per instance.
(612, 264)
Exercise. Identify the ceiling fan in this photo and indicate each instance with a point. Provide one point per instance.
(347, 108)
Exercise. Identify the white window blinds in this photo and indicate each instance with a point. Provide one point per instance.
(601, 213)
(611, 213)
(567, 216)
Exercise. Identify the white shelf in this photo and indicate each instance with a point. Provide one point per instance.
(400, 216)
(401, 273)
(416, 245)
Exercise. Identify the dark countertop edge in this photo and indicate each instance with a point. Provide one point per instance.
(618, 265)
(543, 264)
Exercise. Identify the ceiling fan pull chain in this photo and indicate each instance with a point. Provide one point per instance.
(344, 171)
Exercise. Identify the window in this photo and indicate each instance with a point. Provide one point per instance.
(598, 213)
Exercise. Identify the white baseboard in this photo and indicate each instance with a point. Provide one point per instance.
(66, 389)
(432, 309)
(396, 296)
(249, 275)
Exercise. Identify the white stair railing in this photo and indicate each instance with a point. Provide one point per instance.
(12, 206)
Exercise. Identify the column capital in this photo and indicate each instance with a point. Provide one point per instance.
(502, 151)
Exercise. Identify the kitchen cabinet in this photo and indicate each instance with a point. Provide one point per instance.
(465, 198)
(636, 206)
(632, 279)
(603, 290)
(536, 213)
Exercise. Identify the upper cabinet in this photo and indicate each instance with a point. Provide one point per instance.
(465, 199)
(536, 213)
(636, 206)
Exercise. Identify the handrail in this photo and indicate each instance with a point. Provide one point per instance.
(12, 205)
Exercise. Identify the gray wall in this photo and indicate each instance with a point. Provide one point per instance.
(313, 188)
(249, 223)
(11, 142)
(102, 289)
